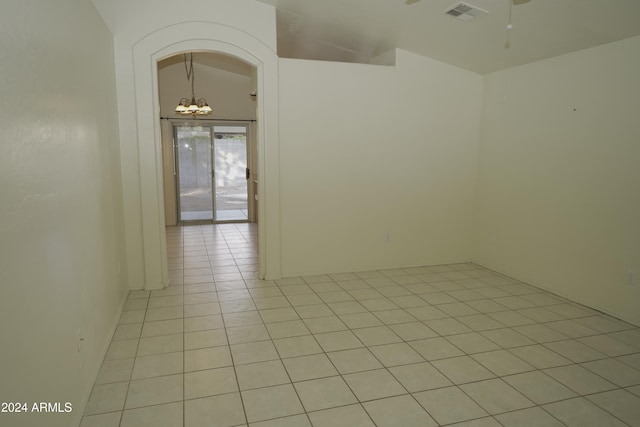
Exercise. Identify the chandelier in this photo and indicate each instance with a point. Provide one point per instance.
(194, 107)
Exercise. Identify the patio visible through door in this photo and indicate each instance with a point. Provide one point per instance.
(212, 172)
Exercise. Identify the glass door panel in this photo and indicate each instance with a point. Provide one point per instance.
(230, 173)
(193, 150)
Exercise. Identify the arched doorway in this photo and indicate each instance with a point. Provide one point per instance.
(207, 37)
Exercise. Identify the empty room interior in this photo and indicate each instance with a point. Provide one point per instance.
(280, 213)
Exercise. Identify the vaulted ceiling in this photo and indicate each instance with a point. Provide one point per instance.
(358, 30)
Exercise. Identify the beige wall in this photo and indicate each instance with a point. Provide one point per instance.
(378, 164)
(61, 231)
(559, 187)
(226, 91)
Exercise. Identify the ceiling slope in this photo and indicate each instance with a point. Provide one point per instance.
(358, 30)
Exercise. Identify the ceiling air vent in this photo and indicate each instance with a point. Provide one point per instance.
(464, 11)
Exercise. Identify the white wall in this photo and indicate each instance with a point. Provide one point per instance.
(373, 151)
(559, 188)
(60, 211)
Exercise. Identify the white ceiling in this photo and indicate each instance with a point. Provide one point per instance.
(357, 30)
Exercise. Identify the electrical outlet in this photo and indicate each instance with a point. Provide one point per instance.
(631, 278)
(387, 238)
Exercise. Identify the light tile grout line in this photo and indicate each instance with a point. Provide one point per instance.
(386, 325)
(366, 347)
(280, 359)
(124, 404)
(233, 364)
(427, 361)
(387, 369)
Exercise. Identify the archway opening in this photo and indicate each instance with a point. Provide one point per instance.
(210, 170)
(204, 37)
(209, 165)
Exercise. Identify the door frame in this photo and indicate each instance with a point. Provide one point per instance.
(247, 126)
(211, 124)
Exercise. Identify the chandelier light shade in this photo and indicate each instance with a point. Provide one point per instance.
(198, 107)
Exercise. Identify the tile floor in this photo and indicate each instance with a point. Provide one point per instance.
(442, 345)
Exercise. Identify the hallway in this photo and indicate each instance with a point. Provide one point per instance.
(406, 347)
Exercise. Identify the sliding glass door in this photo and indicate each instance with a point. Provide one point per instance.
(193, 151)
(211, 173)
(231, 173)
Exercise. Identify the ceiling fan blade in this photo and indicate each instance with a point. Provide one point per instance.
(411, 1)
(518, 2)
